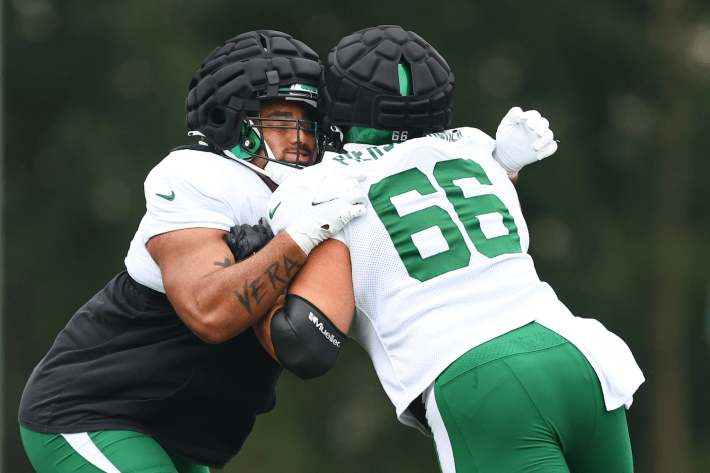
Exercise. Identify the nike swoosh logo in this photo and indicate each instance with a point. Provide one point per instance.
(167, 197)
(272, 212)
(314, 203)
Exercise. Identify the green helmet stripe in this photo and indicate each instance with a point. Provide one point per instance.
(405, 80)
(372, 136)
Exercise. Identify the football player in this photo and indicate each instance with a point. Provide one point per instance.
(159, 371)
(436, 282)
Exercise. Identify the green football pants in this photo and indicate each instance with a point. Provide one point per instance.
(109, 451)
(527, 401)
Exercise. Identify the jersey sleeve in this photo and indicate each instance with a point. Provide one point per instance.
(343, 235)
(177, 198)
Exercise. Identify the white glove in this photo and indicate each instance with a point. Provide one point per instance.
(522, 138)
(328, 209)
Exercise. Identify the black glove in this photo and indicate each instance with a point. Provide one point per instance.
(245, 240)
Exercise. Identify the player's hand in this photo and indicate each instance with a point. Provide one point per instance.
(523, 138)
(245, 240)
(328, 209)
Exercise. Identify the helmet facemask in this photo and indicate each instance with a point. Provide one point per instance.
(310, 142)
(309, 148)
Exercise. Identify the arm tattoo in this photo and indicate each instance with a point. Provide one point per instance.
(272, 272)
(245, 298)
(290, 267)
(255, 290)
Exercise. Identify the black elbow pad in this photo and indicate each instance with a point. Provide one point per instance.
(305, 341)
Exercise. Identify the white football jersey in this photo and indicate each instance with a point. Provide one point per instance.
(439, 261)
(193, 189)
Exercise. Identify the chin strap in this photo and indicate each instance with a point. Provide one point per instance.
(279, 172)
(273, 170)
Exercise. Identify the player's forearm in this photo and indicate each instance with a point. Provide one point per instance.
(225, 302)
(262, 328)
(297, 332)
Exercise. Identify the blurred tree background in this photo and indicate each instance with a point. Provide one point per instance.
(94, 97)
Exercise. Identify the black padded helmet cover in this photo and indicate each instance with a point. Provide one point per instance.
(360, 83)
(224, 89)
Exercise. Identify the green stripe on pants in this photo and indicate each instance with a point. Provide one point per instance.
(127, 451)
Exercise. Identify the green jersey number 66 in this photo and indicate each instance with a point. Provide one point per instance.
(401, 229)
